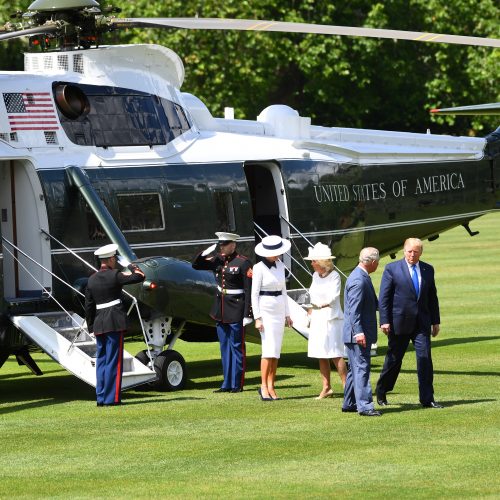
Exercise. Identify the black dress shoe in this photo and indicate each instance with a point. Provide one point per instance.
(370, 413)
(262, 397)
(382, 400)
(350, 410)
(237, 389)
(100, 404)
(432, 404)
(221, 389)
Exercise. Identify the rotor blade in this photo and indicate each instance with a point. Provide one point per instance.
(321, 29)
(31, 31)
(478, 109)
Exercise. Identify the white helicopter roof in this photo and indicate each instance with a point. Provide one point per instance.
(279, 132)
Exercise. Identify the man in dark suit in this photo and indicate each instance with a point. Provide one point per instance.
(359, 333)
(409, 310)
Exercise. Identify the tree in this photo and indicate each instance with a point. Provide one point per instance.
(337, 81)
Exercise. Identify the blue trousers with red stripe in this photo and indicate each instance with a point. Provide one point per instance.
(109, 367)
(232, 351)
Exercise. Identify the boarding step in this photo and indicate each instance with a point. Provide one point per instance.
(65, 339)
(27, 305)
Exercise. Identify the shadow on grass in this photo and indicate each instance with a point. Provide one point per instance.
(395, 408)
(440, 342)
(27, 372)
(212, 369)
(29, 405)
(128, 399)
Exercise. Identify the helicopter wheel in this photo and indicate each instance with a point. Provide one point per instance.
(170, 369)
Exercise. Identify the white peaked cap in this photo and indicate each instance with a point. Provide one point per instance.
(227, 236)
(106, 251)
(320, 251)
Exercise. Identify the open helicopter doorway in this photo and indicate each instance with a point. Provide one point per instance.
(269, 203)
(22, 215)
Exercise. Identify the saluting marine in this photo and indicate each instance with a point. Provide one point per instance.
(106, 317)
(231, 308)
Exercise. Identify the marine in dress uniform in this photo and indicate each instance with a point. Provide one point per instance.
(107, 318)
(231, 308)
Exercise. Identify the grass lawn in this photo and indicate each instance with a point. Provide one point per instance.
(194, 443)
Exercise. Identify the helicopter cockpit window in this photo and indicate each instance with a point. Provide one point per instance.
(113, 116)
(140, 212)
(177, 119)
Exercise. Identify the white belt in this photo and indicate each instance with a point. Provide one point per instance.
(225, 291)
(108, 304)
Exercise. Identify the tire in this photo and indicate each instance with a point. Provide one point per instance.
(170, 368)
(143, 357)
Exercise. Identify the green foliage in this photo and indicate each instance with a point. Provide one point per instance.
(350, 81)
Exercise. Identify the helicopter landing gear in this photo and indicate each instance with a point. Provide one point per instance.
(169, 365)
(170, 370)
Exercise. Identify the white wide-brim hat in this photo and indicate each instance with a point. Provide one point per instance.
(226, 237)
(106, 251)
(320, 251)
(272, 246)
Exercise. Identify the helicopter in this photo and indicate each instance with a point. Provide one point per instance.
(99, 144)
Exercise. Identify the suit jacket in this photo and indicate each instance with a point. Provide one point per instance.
(360, 308)
(399, 305)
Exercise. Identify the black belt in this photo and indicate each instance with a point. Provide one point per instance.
(272, 294)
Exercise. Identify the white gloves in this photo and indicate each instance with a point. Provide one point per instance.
(123, 261)
(247, 321)
(209, 250)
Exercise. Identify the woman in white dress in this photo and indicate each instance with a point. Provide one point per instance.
(270, 309)
(326, 317)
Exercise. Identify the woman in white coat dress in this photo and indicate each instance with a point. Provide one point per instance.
(270, 308)
(326, 317)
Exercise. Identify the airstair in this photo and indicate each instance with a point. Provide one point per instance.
(65, 339)
(63, 334)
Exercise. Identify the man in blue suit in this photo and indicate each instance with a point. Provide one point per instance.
(359, 333)
(409, 310)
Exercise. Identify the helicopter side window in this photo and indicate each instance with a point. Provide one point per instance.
(140, 212)
(224, 210)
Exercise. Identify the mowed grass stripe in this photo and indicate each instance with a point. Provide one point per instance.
(190, 444)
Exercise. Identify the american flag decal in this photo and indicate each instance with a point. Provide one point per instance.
(30, 111)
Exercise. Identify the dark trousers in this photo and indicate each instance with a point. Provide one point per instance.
(232, 352)
(109, 367)
(358, 391)
(394, 359)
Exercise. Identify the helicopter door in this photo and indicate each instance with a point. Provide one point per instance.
(269, 202)
(22, 215)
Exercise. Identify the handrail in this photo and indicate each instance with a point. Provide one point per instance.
(49, 292)
(298, 232)
(308, 241)
(293, 258)
(128, 294)
(38, 264)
